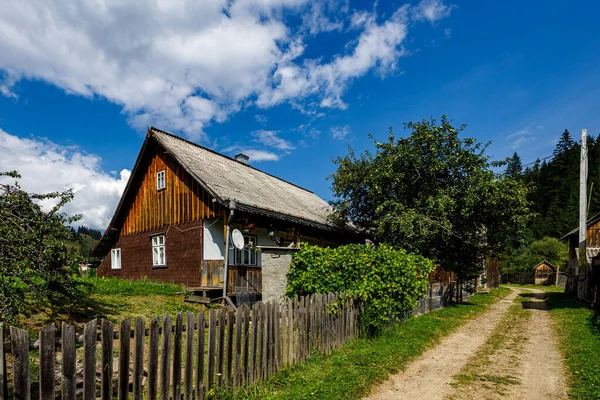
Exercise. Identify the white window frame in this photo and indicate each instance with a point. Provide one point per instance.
(159, 253)
(161, 180)
(115, 258)
(249, 254)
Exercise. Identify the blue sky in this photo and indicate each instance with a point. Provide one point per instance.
(292, 83)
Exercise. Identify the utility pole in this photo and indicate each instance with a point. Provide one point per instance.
(580, 272)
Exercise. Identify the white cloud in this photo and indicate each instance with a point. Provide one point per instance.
(271, 139)
(48, 167)
(431, 10)
(261, 119)
(185, 64)
(340, 132)
(521, 136)
(260, 155)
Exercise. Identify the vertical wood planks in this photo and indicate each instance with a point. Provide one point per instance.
(284, 350)
(255, 344)
(3, 375)
(153, 360)
(68, 361)
(47, 362)
(138, 358)
(165, 358)
(200, 358)
(189, 355)
(107, 359)
(245, 344)
(89, 359)
(221, 346)
(237, 366)
(265, 341)
(177, 357)
(212, 332)
(229, 348)
(19, 340)
(124, 350)
(290, 308)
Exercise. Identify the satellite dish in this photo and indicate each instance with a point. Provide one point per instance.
(237, 239)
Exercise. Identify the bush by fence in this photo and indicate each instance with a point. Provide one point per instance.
(189, 356)
(387, 282)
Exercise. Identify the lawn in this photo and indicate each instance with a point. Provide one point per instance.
(351, 371)
(115, 299)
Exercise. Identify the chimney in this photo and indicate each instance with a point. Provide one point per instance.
(241, 157)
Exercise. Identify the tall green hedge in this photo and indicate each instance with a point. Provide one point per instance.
(387, 282)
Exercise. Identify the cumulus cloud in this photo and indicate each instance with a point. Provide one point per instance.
(185, 64)
(47, 167)
(271, 139)
(340, 132)
(260, 155)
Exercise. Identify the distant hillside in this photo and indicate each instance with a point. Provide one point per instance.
(81, 242)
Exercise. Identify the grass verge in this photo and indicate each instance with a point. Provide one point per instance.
(351, 371)
(578, 331)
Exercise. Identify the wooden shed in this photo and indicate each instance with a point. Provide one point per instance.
(545, 273)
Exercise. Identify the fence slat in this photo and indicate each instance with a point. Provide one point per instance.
(237, 366)
(153, 360)
(229, 348)
(221, 345)
(68, 362)
(254, 345)
(165, 358)
(107, 359)
(277, 331)
(89, 359)
(245, 345)
(19, 340)
(3, 375)
(284, 351)
(265, 340)
(290, 308)
(177, 349)
(189, 355)
(200, 358)
(212, 338)
(47, 362)
(138, 358)
(124, 351)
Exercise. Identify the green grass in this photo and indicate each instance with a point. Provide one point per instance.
(545, 288)
(125, 287)
(351, 371)
(578, 331)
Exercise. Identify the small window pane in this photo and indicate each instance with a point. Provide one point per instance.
(160, 180)
(115, 259)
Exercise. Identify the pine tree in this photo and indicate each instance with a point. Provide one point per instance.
(514, 166)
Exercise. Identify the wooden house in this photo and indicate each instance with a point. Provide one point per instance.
(170, 224)
(585, 280)
(544, 273)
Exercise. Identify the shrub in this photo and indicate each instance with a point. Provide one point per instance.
(386, 282)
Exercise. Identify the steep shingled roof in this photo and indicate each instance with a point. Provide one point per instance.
(229, 179)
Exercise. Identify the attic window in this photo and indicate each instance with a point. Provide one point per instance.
(160, 180)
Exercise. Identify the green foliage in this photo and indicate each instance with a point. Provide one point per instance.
(126, 287)
(555, 183)
(433, 193)
(35, 266)
(387, 282)
(95, 234)
(351, 371)
(523, 259)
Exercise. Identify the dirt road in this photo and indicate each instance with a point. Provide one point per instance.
(509, 352)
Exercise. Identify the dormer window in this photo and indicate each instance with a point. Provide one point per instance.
(160, 180)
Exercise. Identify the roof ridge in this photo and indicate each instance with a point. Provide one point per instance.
(152, 128)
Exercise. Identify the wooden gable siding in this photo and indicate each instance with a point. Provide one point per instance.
(183, 199)
(593, 235)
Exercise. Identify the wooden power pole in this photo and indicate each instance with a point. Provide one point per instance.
(581, 271)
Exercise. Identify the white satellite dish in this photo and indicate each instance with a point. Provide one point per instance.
(237, 239)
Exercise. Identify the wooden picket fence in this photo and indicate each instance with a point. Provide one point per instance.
(188, 356)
